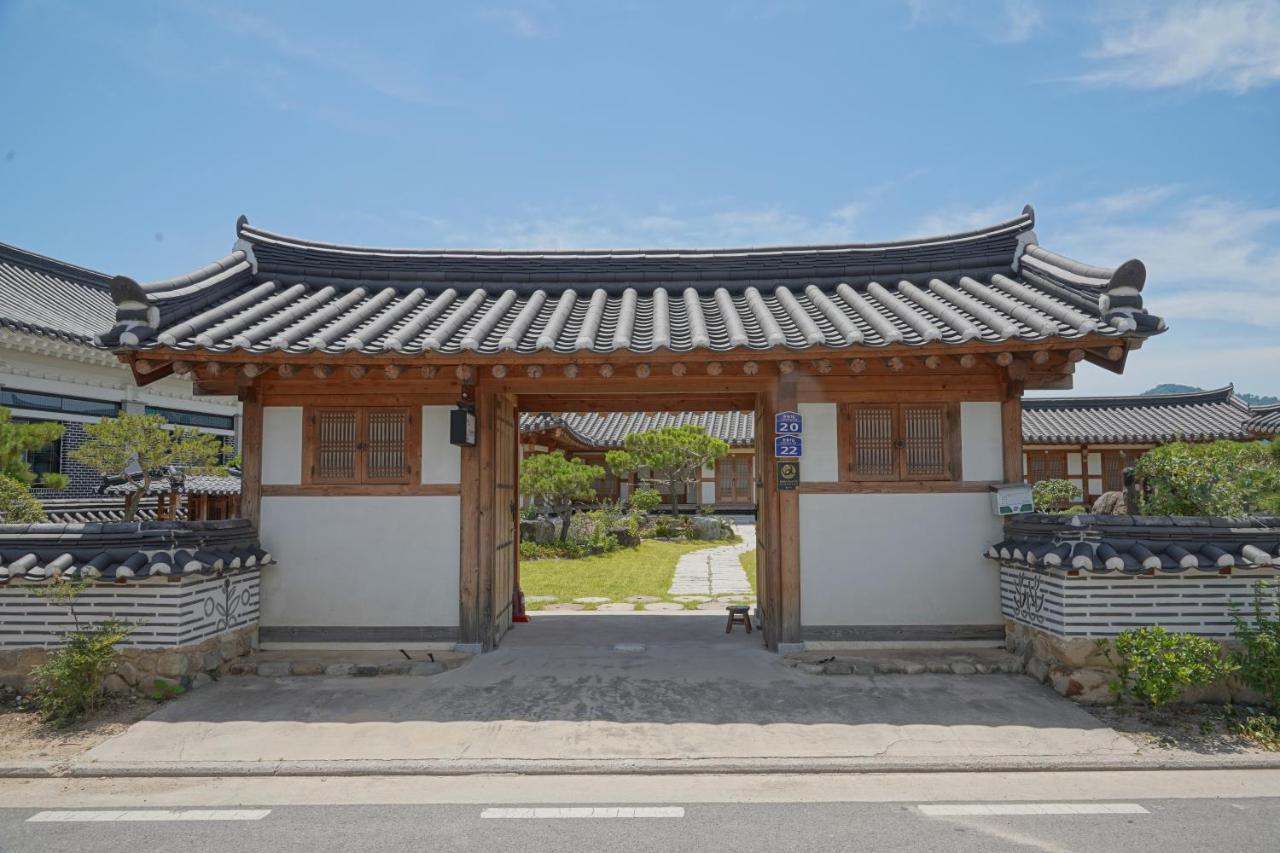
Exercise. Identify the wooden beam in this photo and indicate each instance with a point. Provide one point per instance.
(605, 370)
(894, 363)
(1075, 355)
(251, 456)
(287, 371)
(392, 371)
(1011, 436)
(788, 541)
(643, 370)
(357, 371)
(750, 368)
(933, 362)
(486, 439)
(822, 365)
(767, 550)
(968, 361)
(253, 370)
(679, 369)
(430, 371)
(1004, 359)
(571, 371)
(533, 371)
(465, 373)
(322, 371)
(714, 368)
(857, 365)
(183, 369)
(786, 366)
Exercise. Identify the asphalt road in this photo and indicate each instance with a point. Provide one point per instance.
(1221, 812)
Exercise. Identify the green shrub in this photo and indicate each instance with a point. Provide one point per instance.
(68, 685)
(1154, 666)
(17, 504)
(645, 500)
(1228, 478)
(1259, 655)
(162, 690)
(1262, 729)
(1075, 509)
(1051, 494)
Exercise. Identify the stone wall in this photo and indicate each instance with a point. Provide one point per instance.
(137, 668)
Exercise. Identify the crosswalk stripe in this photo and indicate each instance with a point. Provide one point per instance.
(575, 812)
(140, 815)
(977, 809)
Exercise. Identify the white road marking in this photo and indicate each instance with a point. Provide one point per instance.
(595, 812)
(139, 815)
(979, 809)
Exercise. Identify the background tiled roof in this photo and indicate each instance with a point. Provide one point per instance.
(609, 429)
(1193, 416)
(276, 293)
(1265, 420)
(42, 296)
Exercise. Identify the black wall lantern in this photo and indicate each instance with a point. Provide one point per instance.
(462, 426)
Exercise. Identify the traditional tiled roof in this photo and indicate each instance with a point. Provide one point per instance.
(97, 510)
(1138, 545)
(610, 429)
(1265, 421)
(189, 484)
(281, 294)
(1190, 416)
(127, 551)
(41, 296)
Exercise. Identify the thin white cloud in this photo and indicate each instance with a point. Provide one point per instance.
(613, 229)
(951, 220)
(1012, 20)
(340, 56)
(1230, 46)
(515, 20)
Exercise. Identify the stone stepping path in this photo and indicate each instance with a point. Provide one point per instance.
(715, 571)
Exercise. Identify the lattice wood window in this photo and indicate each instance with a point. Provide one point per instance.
(1113, 464)
(361, 446)
(901, 441)
(1046, 465)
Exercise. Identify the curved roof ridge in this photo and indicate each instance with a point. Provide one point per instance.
(1023, 222)
(1213, 395)
(70, 271)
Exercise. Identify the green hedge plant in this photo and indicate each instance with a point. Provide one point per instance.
(1224, 478)
(1154, 666)
(1259, 653)
(1048, 495)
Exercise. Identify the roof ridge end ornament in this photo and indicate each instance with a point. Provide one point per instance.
(1025, 238)
(243, 245)
(1123, 296)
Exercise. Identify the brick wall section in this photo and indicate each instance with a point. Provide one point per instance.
(84, 480)
(167, 613)
(1090, 606)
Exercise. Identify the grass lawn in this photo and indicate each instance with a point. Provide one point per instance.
(644, 570)
(748, 561)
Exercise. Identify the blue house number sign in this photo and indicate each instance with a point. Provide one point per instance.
(786, 447)
(787, 423)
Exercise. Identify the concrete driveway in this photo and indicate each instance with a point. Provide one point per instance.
(563, 692)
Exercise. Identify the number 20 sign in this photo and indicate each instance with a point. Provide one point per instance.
(787, 423)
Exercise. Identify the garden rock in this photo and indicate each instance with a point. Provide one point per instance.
(1086, 686)
(273, 668)
(538, 530)
(625, 537)
(706, 527)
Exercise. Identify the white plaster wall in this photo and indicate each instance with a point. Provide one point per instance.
(981, 447)
(366, 561)
(821, 460)
(281, 445)
(708, 494)
(441, 461)
(912, 559)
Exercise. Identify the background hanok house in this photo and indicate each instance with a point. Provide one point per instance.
(729, 485)
(907, 361)
(1089, 441)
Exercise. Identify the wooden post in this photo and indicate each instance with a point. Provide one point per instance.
(1011, 435)
(470, 631)
(788, 533)
(767, 516)
(251, 456)
(486, 439)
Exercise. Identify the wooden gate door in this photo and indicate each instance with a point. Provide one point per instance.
(506, 510)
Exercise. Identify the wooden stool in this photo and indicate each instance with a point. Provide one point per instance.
(739, 614)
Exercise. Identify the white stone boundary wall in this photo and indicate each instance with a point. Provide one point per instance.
(1093, 606)
(167, 613)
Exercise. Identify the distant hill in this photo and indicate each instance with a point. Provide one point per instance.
(1174, 388)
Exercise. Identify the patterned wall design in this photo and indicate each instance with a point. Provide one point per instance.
(167, 614)
(1105, 605)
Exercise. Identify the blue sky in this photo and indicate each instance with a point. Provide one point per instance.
(134, 133)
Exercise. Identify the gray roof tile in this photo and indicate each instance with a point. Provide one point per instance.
(276, 293)
(610, 429)
(1194, 416)
(41, 296)
(1265, 421)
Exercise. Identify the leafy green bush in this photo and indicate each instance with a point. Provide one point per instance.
(17, 505)
(645, 500)
(1259, 655)
(1052, 494)
(1262, 729)
(162, 690)
(1154, 666)
(68, 685)
(1228, 478)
